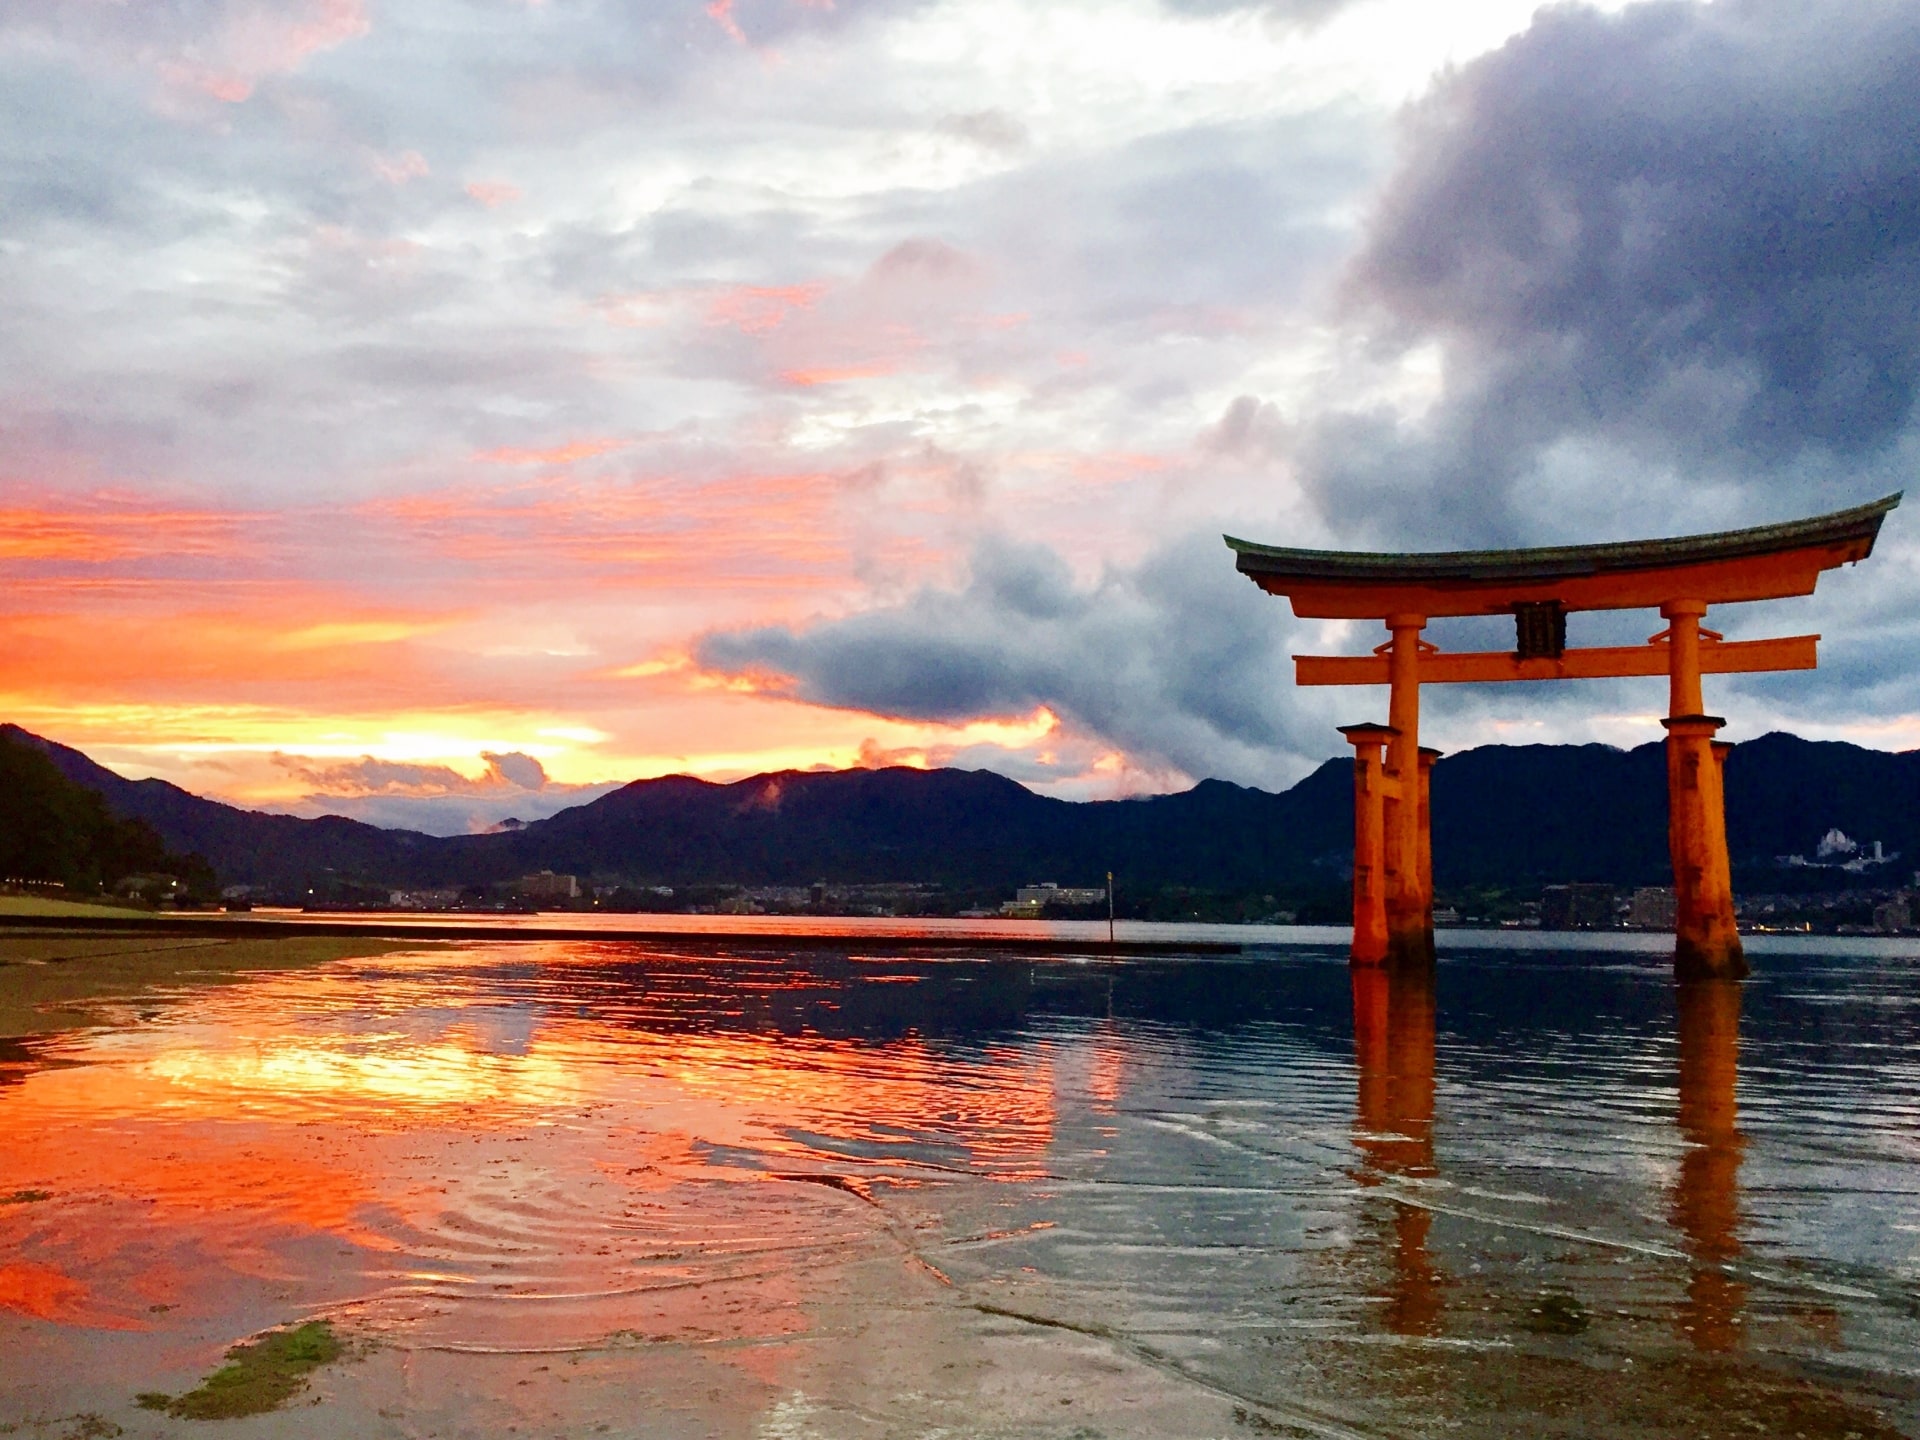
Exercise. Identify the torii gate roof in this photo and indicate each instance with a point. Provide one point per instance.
(1762, 563)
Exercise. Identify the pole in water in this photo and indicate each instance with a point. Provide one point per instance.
(1109, 907)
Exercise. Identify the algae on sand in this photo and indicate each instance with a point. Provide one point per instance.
(259, 1375)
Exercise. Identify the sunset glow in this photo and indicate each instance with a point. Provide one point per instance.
(855, 386)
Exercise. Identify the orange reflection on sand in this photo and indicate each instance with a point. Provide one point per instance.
(1393, 1036)
(999, 1107)
(287, 1134)
(287, 1076)
(179, 1171)
(30, 1288)
(1706, 1194)
(1107, 1082)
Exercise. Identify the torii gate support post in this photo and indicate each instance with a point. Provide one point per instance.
(1409, 896)
(1425, 834)
(1370, 792)
(1706, 941)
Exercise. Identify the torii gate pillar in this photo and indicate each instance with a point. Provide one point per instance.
(1706, 939)
(1371, 789)
(1409, 882)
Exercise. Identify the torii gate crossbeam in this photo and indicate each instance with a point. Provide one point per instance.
(1681, 578)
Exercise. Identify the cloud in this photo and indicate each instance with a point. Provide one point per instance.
(219, 49)
(1176, 661)
(437, 799)
(563, 454)
(1673, 251)
(664, 334)
(1290, 12)
(493, 193)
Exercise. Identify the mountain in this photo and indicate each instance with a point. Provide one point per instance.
(1502, 815)
(53, 829)
(1535, 814)
(246, 847)
(958, 827)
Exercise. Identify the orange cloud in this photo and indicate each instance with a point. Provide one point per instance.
(295, 643)
(96, 534)
(837, 374)
(650, 533)
(555, 455)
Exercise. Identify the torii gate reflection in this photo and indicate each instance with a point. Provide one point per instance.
(1393, 1132)
(1392, 859)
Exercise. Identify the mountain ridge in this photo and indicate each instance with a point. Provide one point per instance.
(1503, 815)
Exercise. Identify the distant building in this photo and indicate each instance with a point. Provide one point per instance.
(1052, 894)
(1653, 907)
(443, 899)
(1894, 915)
(1836, 843)
(150, 886)
(1030, 900)
(1576, 907)
(1839, 851)
(547, 886)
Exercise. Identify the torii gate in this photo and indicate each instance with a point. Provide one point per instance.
(1392, 842)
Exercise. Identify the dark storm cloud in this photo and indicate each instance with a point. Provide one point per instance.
(1178, 660)
(1687, 234)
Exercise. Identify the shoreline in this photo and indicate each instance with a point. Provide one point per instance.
(905, 938)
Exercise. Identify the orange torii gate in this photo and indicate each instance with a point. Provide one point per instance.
(1392, 846)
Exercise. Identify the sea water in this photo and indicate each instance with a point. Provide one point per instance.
(607, 1187)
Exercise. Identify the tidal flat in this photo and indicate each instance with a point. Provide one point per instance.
(54, 979)
(607, 1188)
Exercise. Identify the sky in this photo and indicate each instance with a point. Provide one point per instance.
(439, 410)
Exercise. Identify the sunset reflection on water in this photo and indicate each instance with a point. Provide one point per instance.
(388, 1141)
(812, 1172)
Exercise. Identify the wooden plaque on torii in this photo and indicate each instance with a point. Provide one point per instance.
(1681, 578)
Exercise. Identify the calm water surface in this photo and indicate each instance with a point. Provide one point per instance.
(598, 1187)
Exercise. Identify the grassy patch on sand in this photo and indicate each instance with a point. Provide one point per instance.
(259, 1375)
(40, 906)
(52, 979)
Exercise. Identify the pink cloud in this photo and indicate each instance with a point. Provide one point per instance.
(253, 40)
(493, 193)
(760, 309)
(643, 533)
(225, 87)
(399, 169)
(721, 12)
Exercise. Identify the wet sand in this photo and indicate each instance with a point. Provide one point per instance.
(55, 978)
